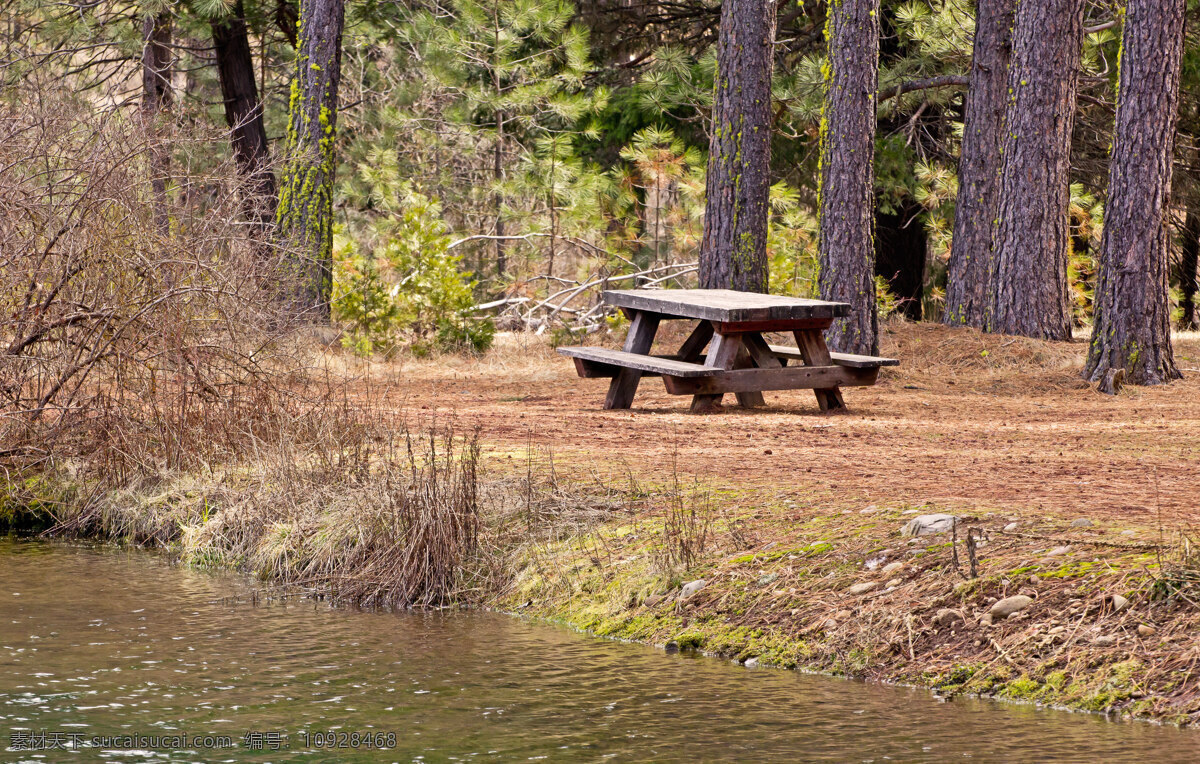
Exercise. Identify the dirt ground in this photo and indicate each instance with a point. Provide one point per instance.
(968, 420)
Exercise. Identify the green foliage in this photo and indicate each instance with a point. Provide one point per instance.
(411, 285)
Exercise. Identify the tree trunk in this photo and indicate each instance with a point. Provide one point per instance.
(156, 99)
(305, 213)
(244, 115)
(1029, 291)
(970, 268)
(733, 253)
(1189, 257)
(1132, 321)
(901, 249)
(847, 191)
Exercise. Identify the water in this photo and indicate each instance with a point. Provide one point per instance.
(96, 642)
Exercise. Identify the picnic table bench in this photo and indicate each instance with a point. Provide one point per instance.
(738, 359)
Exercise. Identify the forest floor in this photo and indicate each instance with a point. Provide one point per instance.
(768, 536)
(791, 518)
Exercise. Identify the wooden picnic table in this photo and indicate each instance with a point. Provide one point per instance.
(738, 359)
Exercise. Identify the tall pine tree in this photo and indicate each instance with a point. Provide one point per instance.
(847, 192)
(1131, 334)
(733, 253)
(1029, 291)
(305, 213)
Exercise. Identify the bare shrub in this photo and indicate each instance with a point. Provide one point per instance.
(123, 343)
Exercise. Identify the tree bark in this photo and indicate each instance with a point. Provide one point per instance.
(244, 115)
(1029, 291)
(970, 269)
(157, 97)
(847, 191)
(733, 253)
(305, 213)
(1132, 321)
(1189, 258)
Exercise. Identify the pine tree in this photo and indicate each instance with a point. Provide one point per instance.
(733, 254)
(305, 213)
(1029, 291)
(1132, 330)
(157, 97)
(244, 114)
(847, 177)
(970, 269)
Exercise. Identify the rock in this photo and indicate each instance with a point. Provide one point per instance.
(986, 619)
(894, 583)
(751, 663)
(1119, 603)
(1034, 580)
(842, 615)
(653, 600)
(1128, 533)
(892, 567)
(910, 511)
(947, 616)
(1105, 640)
(830, 624)
(1146, 630)
(862, 588)
(690, 588)
(1056, 551)
(1011, 527)
(1082, 522)
(868, 510)
(1009, 605)
(927, 525)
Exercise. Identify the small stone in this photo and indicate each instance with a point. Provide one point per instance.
(1034, 580)
(751, 663)
(1056, 551)
(1082, 522)
(868, 510)
(1146, 630)
(1011, 527)
(842, 615)
(927, 525)
(892, 567)
(690, 588)
(1128, 533)
(653, 600)
(910, 512)
(862, 588)
(894, 583)
(830, 624)
(1119, 603)
(1105, 640)
(1009, 605)
(947, 616)
(986, 619)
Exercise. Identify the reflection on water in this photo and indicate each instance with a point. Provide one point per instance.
(96, 642)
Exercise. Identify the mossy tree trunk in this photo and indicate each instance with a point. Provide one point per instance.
(244, 115)
(157, 97)
(1131, 329)
(970, 269)
(847, 190)
(305, 213)
(733, 253)
(1029, 290)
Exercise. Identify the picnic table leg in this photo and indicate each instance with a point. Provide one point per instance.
(694, 345)
(639, 340)
(811, 343)
(744, 360)
(722, 354)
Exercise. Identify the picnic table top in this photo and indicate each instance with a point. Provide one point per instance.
(724, 305)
